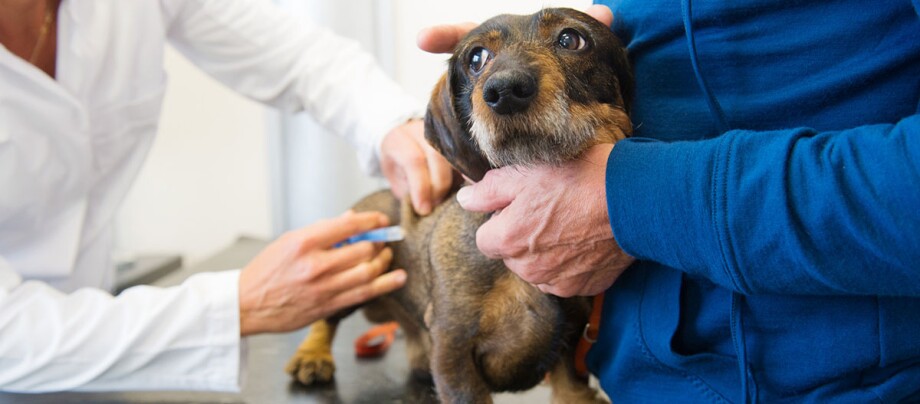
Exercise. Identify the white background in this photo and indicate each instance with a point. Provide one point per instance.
(223, 166)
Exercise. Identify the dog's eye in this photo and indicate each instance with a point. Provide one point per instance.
(570, 39)
(478, 59)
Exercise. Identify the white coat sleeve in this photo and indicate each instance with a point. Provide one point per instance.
(180, 338)
(256, 49)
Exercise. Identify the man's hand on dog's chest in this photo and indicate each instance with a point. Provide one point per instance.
(553, 229)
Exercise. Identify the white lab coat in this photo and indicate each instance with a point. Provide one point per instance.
(71, 147)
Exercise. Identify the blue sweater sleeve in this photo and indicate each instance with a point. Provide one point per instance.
(791, 211)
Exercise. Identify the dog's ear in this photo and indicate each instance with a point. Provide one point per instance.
(625, 79)
(446, 133)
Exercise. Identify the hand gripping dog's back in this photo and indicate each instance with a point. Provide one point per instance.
(536, 89)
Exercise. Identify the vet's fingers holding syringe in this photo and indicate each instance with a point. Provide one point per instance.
(303, 277)
(327, 233)
(366, 281)
(350, 255)
(356, 241)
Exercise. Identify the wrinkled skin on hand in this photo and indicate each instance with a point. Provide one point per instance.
(551, 227)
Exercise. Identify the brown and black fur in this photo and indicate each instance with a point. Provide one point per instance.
(470, 323)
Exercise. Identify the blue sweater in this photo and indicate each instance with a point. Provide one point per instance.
(771, 192)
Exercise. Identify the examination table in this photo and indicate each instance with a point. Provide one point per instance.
(382, 380)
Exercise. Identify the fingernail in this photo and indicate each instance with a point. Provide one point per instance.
(464, 195)
(400, 277)
(424, 209)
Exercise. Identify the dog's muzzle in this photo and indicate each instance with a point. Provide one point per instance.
(509, 91)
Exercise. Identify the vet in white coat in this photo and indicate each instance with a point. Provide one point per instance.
(70, 147)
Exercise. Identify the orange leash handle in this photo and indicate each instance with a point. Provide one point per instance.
(376, 341)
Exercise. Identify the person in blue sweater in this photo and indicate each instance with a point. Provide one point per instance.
(760, 232)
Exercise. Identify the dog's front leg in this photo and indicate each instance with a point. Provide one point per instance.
(456, 377)
(568, 387)
(313, 363)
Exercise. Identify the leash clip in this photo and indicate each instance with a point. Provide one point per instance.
(586, 333)
(589, 336)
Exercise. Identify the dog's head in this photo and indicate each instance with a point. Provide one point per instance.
(528, 89)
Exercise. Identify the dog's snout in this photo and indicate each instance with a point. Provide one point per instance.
(509, 92)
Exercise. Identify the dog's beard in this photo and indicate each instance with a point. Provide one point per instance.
(546, 135)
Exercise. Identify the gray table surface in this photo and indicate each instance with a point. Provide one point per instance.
(383, 380)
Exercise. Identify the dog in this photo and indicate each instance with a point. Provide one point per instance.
(519, 90)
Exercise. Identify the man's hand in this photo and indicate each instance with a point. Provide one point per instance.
(443, 38)
(414, 168)
(551, 227)
(301, 278)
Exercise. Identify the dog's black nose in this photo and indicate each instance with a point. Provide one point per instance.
(509, 92)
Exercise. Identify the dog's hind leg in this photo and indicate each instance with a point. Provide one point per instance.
(418, 348)
(456, 377)
(313, 363)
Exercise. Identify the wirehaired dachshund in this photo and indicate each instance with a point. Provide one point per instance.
(519, 90)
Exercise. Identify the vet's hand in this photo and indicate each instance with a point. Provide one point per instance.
(443, 38)
(414, 168)
(551, 227)
(301, 278)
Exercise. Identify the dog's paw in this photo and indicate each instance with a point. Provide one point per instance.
(311, 367)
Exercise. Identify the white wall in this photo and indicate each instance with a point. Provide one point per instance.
(206, 179)
(223, 166)
(319, 173)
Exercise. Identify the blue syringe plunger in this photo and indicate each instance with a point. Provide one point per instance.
(381, 235)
